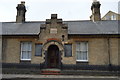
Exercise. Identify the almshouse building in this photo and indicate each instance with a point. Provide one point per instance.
(55, 43)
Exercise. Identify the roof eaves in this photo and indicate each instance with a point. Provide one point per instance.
(19, 34)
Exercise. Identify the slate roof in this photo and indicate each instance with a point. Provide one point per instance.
(74, 27)
(29, 28)
(90, 27)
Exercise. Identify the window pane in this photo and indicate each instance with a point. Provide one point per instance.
(26, 46)
(82, 52)
(26, 49)
(22, 47)
(29, 47)
(78, 47)
(38, 50)
(29, 55)
(84, 55)
(68, 50)
(83, 46)
(24, 55)
(78, 55)
(113, 17)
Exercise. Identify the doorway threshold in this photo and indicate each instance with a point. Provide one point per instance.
(51, 69)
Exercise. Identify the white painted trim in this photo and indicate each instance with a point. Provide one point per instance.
(26, 59)
(82, 60)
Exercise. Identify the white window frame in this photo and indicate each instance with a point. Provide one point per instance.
(22, 51)
(76, 52)
(113, 17)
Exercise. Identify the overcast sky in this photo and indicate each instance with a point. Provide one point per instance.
(40, 10)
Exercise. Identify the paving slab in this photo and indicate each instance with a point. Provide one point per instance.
(55, 76)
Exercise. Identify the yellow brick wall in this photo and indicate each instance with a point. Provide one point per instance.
(114, 51)
(12, 51)
(97, 51)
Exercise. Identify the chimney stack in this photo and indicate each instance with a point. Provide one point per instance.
(21, 10)
(96, 16)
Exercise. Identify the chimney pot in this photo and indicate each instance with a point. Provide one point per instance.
(23, 2)
(21, 10)
(96, 16)
(94, 0)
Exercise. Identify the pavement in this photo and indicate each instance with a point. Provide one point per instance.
(56, 77)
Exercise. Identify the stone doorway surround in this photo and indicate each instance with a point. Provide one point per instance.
(45, 51)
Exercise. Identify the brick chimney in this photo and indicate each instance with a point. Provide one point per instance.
(21, 10)
(96, 16)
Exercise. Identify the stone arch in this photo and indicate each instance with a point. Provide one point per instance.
(53, 42)
(45, 51)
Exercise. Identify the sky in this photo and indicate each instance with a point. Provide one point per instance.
(40, 10)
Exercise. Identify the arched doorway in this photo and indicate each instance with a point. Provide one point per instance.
(53, 56)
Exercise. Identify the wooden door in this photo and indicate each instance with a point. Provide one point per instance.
(53, 56)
